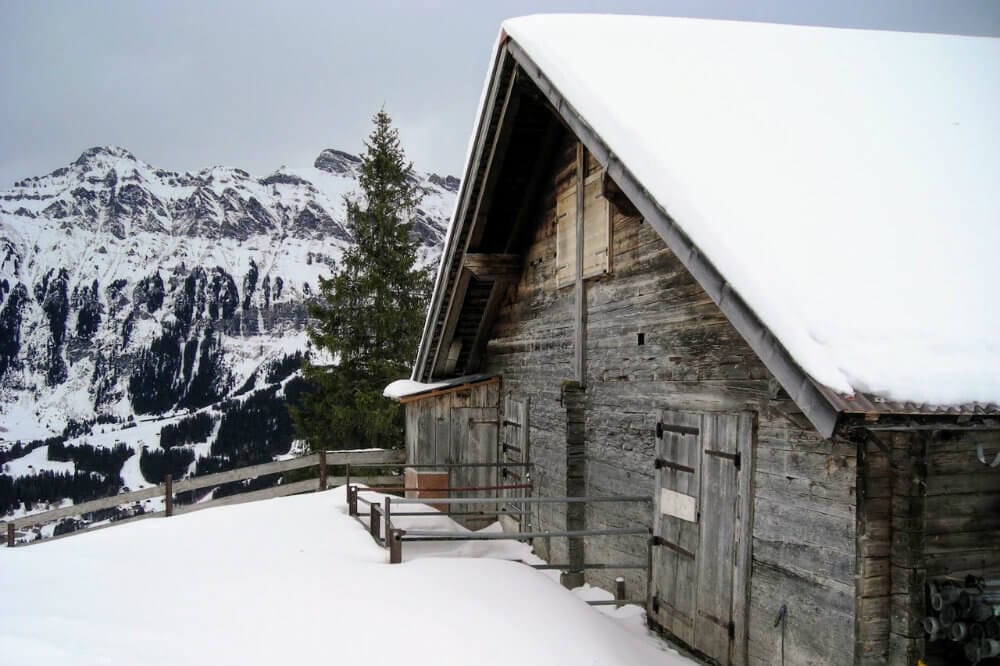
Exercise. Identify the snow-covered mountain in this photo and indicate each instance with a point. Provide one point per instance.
(127, 290)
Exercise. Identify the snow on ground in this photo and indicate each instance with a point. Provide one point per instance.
(296, 580)
(35, 462)
(843, 181)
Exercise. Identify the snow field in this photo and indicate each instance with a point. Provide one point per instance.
(293, 580)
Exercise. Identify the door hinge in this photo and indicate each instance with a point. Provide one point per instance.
(660, 541)
(731, 630)
(736, 458)
(661, 463)
(661, 428)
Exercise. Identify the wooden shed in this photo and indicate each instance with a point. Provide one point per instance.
(798, 518)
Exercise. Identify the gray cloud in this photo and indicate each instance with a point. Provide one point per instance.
(189, 84)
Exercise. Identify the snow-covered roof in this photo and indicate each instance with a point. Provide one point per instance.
(408, 388)
(846, 183)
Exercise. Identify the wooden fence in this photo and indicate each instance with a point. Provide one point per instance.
(323, 459)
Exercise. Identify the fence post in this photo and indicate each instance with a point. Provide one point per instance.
(10, 534)
(168, 493)
(375, 522)
(352, 501)
(347, 475)
(322, 469)
(620, 591)
(387, 515)
(395, 546)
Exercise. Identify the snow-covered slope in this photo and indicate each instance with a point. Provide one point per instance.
(128, 291)
(310, 585)
(101, 259)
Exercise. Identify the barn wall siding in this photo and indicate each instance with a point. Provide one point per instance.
(928, 509)
(691, 359)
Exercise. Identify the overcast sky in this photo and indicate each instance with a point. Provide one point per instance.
(190, 84)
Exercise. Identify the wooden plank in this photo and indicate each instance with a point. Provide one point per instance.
(746, 437)
(580, 294)
(308, 485)
(500, 267)
(596, 228)
(283, 490)
(716, 549)
(88, 507)
(674, 564)
(565, 266)
(376, 456)
(248, 472)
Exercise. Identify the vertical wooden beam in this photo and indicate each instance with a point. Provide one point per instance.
(375, 522)
(395, 538)
(322, 469)
(581, 296)
(168, 494)
(619, 591)
(908, 575)
(10, 534)
(574, 399)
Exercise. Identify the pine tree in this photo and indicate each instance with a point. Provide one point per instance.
(369, 315)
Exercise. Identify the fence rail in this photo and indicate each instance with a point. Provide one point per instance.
(362, 457)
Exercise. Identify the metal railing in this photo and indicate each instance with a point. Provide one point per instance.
(380, 525)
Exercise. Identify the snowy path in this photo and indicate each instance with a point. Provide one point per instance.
(295, 580)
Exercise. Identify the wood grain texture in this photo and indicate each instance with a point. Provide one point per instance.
(801, 525)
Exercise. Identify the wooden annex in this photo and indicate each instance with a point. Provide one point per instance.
(792, 524)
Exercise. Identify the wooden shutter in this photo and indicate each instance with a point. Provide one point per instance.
(566, 238)
(596, 231)
(596, 227)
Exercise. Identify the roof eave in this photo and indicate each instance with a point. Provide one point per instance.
(440, 294)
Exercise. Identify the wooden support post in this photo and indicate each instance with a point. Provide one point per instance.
(574, 400)
(619, 592)
(375, 522)
(322, 469)
(352, 500)
(168, 495)
(908, 456)
(10, 534)
(387, 515)
(395, 538)
(580, 320)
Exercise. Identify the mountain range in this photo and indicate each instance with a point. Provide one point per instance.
(130, 293)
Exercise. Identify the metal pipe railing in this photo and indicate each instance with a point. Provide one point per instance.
(523, 500)
(429, 535)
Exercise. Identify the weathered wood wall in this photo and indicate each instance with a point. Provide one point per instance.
(459, 426)
(691, 359)
(929, 508)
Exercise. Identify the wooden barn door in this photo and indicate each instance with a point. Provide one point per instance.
(701, 530)
(514, 450)
(474, 440)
